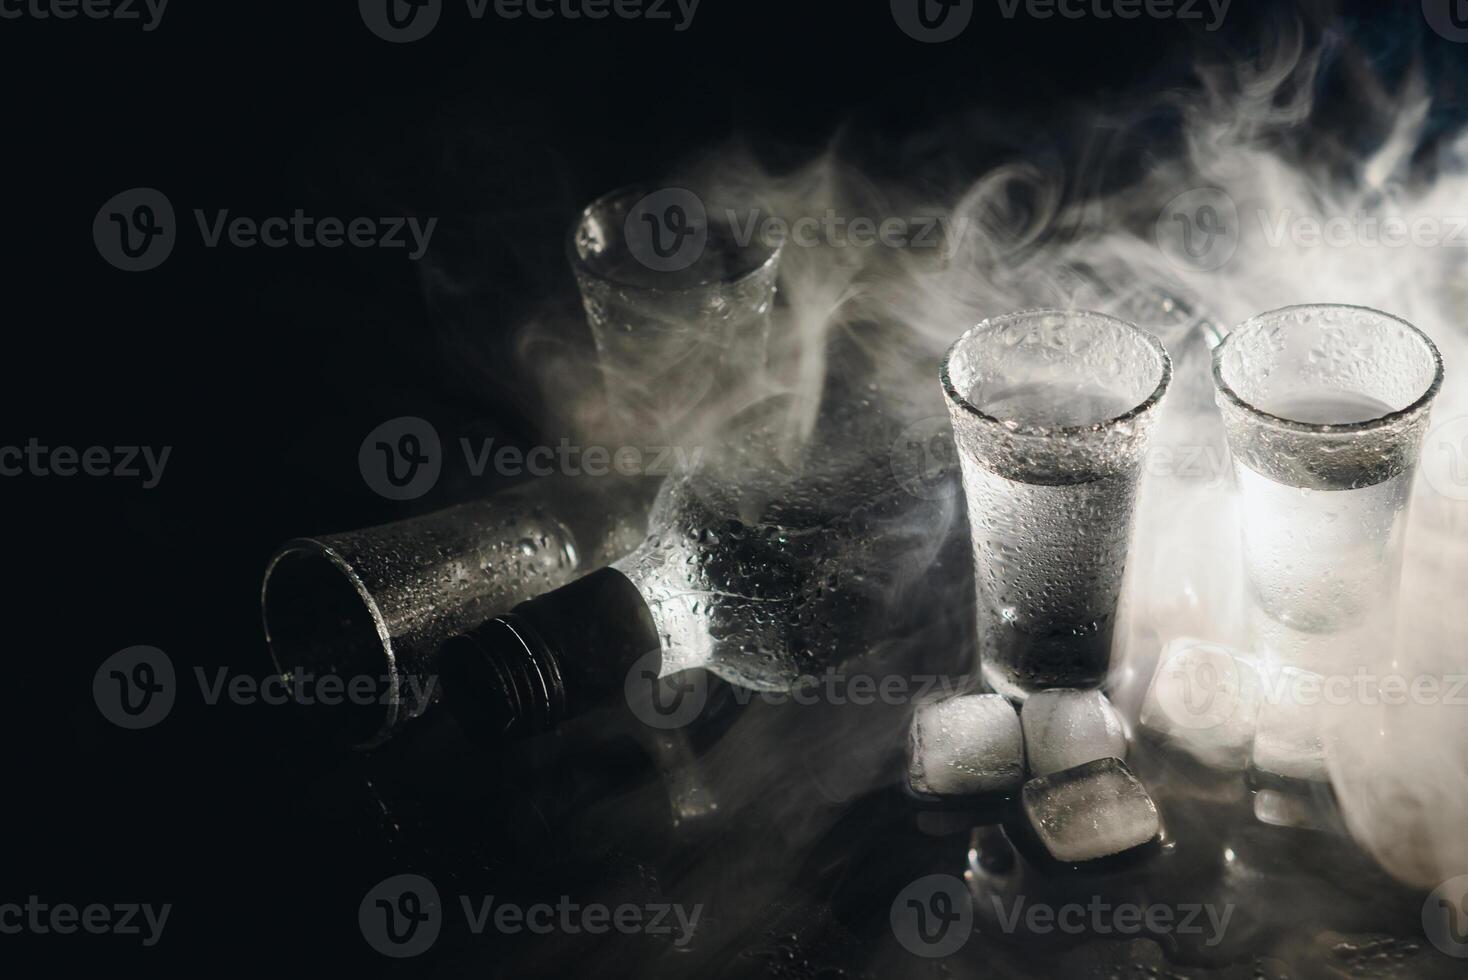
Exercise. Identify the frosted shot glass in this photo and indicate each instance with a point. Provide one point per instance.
(1324, 410)
(678, 290)
(1051, 413)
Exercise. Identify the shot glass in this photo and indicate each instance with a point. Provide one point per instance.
(678, 291)
(1324, 410)
(1051, 414)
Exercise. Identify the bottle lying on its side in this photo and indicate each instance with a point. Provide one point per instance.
(372, 607)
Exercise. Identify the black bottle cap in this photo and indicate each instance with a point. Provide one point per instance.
(547, 659)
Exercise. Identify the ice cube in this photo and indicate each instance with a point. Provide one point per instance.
(965, 746)
(1092, 811)
(1289, 810)
(1064, 728)
(1290, 741)
(1205, 700)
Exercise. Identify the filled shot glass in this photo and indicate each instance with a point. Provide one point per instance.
(1324, 410)
(678, 290)
(1051, 413)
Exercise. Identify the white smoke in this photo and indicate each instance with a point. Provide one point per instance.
(1020, 236)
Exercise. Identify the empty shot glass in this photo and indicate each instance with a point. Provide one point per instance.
(1324, 410)
(1051, 412)
(678, 290)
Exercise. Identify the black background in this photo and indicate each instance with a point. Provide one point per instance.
(263, 369)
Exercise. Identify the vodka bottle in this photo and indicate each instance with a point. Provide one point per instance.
(376, 604)
(761, 566)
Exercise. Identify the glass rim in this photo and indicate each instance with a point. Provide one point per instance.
(642, 189)
(1381, 421)
(1031, 429)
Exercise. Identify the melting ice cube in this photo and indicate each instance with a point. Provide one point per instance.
(965, 746)
(1204, 699)
(1290, 740)
(1092, 811)
(1293, 810)
(1064, 728)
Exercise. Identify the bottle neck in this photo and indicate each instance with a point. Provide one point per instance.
(549, 659)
